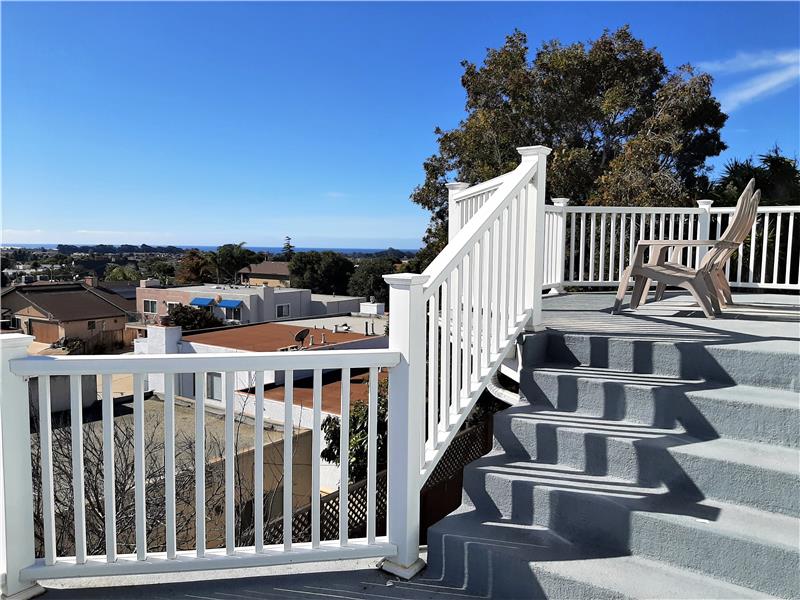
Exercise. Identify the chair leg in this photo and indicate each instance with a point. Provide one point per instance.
(660, 289)
(645, 291)
(638, 287)
(724, 288)
(699, 291)
(623, 287)
(712, 293)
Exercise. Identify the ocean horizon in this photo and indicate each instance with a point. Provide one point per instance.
(269, 249)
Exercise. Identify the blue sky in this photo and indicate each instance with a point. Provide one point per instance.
(201, 123)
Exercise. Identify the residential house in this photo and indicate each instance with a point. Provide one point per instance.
(270, 272)
(57, 311)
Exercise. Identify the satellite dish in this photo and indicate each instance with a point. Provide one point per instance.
(301, 335)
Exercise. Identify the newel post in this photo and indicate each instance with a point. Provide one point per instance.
(703, 227)
(560, 240)
(405, 421)
(16, 483)
(534, 252)
(453, 210)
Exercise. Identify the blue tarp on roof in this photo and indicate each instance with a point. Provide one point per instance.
(202, 301)
(229, 303)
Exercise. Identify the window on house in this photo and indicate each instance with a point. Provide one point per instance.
(150, 307)
(91, 325)
(214, 386)
(234, 314)
(282, 310)
(171, 305)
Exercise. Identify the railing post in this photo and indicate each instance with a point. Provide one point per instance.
(453, 212)
(405, 421)
(703, 227)
(561, 240)
(535, 233)
(16, 483)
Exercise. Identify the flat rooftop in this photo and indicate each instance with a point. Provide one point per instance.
(269, 337)
(356, 323)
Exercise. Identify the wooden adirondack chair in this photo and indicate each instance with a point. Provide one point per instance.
(707, 283)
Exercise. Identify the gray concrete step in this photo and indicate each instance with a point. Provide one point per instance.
(762, 476)
(498, 560)
(740, 363)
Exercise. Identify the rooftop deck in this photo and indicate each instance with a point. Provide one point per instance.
(762, 322)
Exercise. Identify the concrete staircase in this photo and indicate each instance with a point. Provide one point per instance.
(634, 469)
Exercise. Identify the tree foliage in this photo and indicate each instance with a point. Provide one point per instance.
(367, 280)
(189, 318)
(122, 273)
(623, 128)
(194, 267)
(776, 175)
(321, 272)
(359, 411)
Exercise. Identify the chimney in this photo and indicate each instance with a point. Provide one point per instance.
(90, 280)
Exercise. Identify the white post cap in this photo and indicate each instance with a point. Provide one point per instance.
(15, 340)
(405, 280)
(456, 186)
(560, 202)
(530, 152)
(705, 203)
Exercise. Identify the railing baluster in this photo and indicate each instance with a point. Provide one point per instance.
(602, 247)
(108, 470)
(582, 245)
(169, 463)
(621, 266)
(456, 306)
(288, 438)
(344, 458)
(315, 458)
(513, 239)
(467, 290)
(445, 345)
(691, 255)
(76, 425)
(497, 263)
(230, 464)
(473, 357)
(258, 462)
(612, 246)
(372, 454)
(777, 248)
(751, 263)
(764, 247)
(592, 234)
(490, 272)
(433, 368)
(200, 463)
(789, 249)
(571, 248)
(46, 447)
(139, 467)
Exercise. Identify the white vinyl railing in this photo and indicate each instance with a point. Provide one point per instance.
(449, 330)
(590, 246)
(456, 322)
(21, 567)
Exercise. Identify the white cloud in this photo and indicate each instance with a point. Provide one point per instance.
(759, 87)
(750, 61)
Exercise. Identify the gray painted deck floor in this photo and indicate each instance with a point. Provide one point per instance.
(769, 322)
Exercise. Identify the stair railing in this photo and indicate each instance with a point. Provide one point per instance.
(453, 325)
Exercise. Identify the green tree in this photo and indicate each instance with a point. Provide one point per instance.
(776, 175)
(587, 102)
(321, 272)
(228, 259)
(160, 269)
(359, 413)
(195, 267)
(367, 280)
(122, 273)
(189, 317)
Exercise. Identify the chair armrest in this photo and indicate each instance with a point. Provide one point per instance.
(676, 242)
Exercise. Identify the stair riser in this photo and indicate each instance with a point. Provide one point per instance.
(603, 399)
(746, 422)
(774, 491)
(611, 524)
(688, 360)
(665, 407)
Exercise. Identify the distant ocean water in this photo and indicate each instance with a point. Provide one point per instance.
(270, 249)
